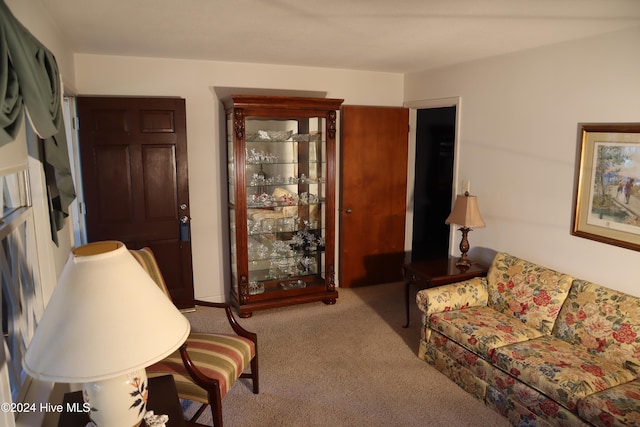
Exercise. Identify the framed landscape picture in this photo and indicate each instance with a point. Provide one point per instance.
(607, 197)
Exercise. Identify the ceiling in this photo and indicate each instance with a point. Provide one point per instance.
(396, 36)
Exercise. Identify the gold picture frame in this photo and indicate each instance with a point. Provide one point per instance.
(607, 197)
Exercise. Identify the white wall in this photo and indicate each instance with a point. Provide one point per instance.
(518, 145)
(194, 80)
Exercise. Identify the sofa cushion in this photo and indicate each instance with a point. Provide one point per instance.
(560, 370)
(602, 321)
(615, 406)
(481, 329)
(529, 292)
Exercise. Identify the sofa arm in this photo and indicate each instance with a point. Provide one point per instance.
(469, 293)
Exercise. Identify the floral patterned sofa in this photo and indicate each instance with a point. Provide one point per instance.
(537, 345)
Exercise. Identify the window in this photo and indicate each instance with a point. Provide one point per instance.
(28, 272)
(22, 303)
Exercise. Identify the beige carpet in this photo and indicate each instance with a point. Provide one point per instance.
(350, 364)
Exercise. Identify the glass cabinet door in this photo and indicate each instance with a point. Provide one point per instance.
(285, 177)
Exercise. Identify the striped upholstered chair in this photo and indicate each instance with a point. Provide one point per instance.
(208, 364)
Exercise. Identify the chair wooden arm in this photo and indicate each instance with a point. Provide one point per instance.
(237, 328)
(198, 377)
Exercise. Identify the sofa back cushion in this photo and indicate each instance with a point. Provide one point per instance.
(603, 321)
(527, 291)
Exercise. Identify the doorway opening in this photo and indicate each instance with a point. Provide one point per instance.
(433, 186)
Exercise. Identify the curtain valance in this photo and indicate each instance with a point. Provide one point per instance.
(29, 77)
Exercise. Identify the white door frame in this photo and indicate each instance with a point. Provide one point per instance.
(413, 107)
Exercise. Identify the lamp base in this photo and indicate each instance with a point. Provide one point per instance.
(119, 401)
(463, 262)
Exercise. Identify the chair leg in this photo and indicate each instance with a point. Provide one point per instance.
(215, 399)
(254, 375)
(254, 367)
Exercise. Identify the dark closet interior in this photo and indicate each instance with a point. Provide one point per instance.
(435, 140)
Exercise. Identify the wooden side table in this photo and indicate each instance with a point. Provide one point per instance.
(437, 272)
(163, 399)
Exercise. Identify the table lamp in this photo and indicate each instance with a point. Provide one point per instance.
(466, 214)
(106, 321)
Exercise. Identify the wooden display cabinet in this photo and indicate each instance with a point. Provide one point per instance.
(281, 155)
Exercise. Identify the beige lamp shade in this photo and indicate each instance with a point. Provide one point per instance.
(465, 212)
(106, 317)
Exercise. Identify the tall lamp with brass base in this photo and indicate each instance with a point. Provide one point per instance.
(466, 214)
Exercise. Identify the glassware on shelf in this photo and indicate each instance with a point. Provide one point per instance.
(256, 157)
(294, 284)
(288, 199)
(256, 287)
(282, 268)
(306, 263)
(257, 252)
(288, 223)
(270, 135)
(307, 137)
(280, 248)
(307, 240)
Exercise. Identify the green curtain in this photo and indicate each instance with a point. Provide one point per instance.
(11, 107)
(30, 77)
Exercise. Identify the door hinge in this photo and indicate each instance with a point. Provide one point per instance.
(75, 123)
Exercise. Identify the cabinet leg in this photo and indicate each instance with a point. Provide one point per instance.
(330, 301)
(245, 315)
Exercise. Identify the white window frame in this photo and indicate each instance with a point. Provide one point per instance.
(44, 268)
(76, 208)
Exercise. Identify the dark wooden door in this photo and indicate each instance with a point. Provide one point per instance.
(373, 171)
(134, 178)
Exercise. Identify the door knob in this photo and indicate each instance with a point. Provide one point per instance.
(184, 219)
(348, 211)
